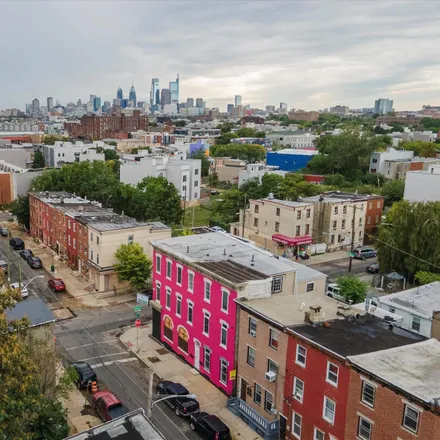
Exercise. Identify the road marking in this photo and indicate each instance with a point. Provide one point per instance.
(93, 343)
(108, 310)
(104, 355)
(120, 361)
(130, 306)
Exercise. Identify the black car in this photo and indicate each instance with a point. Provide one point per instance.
(35, 262)
(373, 268)
(209, 427)
(4, 232)
(16, 243)
(86, 375)
(26, 253)
(182, 406)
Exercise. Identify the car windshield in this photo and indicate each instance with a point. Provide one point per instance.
(58, 282)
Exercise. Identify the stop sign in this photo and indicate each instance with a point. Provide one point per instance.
(137, 323)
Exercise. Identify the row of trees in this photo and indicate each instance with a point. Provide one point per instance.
(249, 152)
(226, 133)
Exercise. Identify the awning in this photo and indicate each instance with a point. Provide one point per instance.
(292, 241)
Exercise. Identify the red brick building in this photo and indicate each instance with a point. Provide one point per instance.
(373, 216)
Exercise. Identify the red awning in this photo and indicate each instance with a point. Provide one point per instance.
(292, 241)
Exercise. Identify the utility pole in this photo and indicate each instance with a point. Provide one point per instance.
(150, 394)
(244, 216)
(194, 212)
(352, 238)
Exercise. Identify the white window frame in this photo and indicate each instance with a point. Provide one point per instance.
(249, 347)
(266, 393)
(324, 407)
(224, 326)
(178, 300)
(225, 292)
(158, 266)
(366, 382)
(249, 327)
(413, 318)
(305, 356)
(168, 298)
(207, 351)
(300, 397)
(271, 332)
(191, 276)
(258, 391)
(359, 436)
(317, 431)
(310, 284)
(179, 267)
(170, 262)
(413, 408)
(190, 307)
(158, 286)
(327, 377)
(206, 314)
(295, 434)
(225, 363)
(207, 282)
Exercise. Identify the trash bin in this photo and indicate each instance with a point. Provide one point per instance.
(52, 268)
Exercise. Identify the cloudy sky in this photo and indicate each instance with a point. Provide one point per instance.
(311, 54)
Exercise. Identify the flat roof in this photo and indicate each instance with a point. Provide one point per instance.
(112, 222)
(33, 309)
(233, 271)
(410, 368)
(289, 203)
(422, 300)
(296, 151)
(357, 334)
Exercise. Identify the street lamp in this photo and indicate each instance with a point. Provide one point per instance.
(32, 279)
(173, 396)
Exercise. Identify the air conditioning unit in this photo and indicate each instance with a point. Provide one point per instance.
(270, 376)
(253, 333)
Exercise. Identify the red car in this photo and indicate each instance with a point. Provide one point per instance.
(108, 406)
(57, 285)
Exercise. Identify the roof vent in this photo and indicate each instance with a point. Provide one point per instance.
(321, 198)
(224, 251)
(187, 249)
(253, 257)
(270, 196)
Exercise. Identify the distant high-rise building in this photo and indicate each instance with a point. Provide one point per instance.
(383, 106)
(132, 95)
(92, 98)
(165, 97)
(200, 103)
(96, 103)
(140, 104)
(49, 104)
(154, 93)
(237, 100)
(270, 108)
(117, 102)
(106, 106)
(230, 108)
(124, 103)
(120, 94)
(189, 102)
(340, 110)
(29, 108)
(283, 106)
(174, 90)
(35, 105)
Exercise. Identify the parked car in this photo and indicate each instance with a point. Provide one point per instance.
(217, 229)
(363, 253)
(16, 243)
(333, 291)
(182, 406)
(26, 253)
(23, 289)
(108, 406)
(4, 266)
(373, 268)
(35, 262)
(57, 285)
(4, 232)
(86, 374)
(209, 427)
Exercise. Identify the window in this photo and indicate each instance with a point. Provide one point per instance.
(268, 401)
(184, 190)
(310, 287)
(224, 335)
(332, 239)
(196, 183)
(364, 429)
(178, 305)
(360, 235)
(74, 243)
(97, 258)
(196, 172)
(298, 215)
(74, 226)
(278, 212)
(335, 210)
(368, 393)
(277, 226)
(179, 275)
(223, 371)
(184, 179)
(252, 327)
(273, 339)
(168, 299)
(360, 221)
(207, 358)
(344, 209)
(339, 238)
(91, 255)
(272, 366)
(415, 324)
(97, 240)
(207, 294)
(329, 410)
(256, 222)
(206, 316)
(335, 224)
(318, 434)
(308, 213)
(130, 239)
(378, 204)
(158, 263)
(297, 231)
(296, 425)
(169, 266)
(68, 239)
(189, 318)
(251, 356)
(301, 354)
(257, 394)
(277, 284)
(158, 286)
(411, 419)
(256, 209)
(332, 373)
(68, 224)
(343, 224)
(225, 300)
(377, 219)
(191, 282)
(196, 194)
(307, 230)
(298, 389)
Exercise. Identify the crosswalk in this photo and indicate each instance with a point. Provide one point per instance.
(118, 361)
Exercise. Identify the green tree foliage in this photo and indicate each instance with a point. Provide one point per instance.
(228, 205)
(352, 288)
(226, 127)
(393, 191)
(424, 277)
(250, 132)
(133, 265)
(180, 123)
(225, 138)
(200, 154)
(19, 208)
(248, 152)
(431, 124)
(420, 148)
(410, 230)
(38, 161)
(50, 139)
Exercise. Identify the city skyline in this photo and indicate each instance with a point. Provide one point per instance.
(337, 53)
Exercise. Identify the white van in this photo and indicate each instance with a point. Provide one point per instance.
(333, 292)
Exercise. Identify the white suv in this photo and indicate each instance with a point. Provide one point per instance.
(333, 292)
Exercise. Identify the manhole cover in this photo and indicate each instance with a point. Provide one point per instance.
(162, 351)
(154, 359)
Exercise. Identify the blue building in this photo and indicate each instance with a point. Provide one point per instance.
(290, 159)
(132, 95)
(120, 94)
(174, 90)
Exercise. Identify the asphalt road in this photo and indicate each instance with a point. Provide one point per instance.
(92, 335)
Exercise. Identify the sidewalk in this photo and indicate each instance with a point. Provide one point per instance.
(168, 366)
(325, 258)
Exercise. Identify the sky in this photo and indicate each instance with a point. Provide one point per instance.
(311, 55)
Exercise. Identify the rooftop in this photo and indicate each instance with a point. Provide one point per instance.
(411, 368)
(113, 222)
(58, 197)
(422, 300)
(34, 309)
(288, 203)
(339, 196)
(131, 426)
(296, 151)
(357, 335)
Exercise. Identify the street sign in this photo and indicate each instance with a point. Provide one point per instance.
(137, 309)
(142, 299)
(351, 254)
(137, 323)
(232, 374)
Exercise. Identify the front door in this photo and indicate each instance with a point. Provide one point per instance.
(243, 390)
(196, 354)
(156, 324)
(283, 427)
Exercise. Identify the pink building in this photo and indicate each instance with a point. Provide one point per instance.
(195, 282)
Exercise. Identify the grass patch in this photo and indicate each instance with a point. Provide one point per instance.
(197, 216)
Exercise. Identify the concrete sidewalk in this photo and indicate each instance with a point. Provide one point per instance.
(325, 258)
(168, 366)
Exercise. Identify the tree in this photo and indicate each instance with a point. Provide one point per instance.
(248, 152)
(225, 138)
(200, 154)
(424, 277)
(133, 265)
(50, 139)
(226, 127)
(352, 288)
(229, 205)
(20, 209)
(180, 123)
(250, 132)
(393, 191)
(38, 161)
(420, 148)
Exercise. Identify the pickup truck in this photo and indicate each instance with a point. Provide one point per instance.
(182, 406)
(108, 406)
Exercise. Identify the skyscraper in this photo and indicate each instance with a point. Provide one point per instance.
(200, 103)
(189, 102)
(165, 97)
(174, 90)
(120, 94)
(154, 93)
(49, 104)
(383, 106)
(237, 100)
(35, 105)
(230, 108)
(132, 95)
(96, 103)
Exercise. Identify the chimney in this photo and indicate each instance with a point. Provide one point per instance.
(313, 316)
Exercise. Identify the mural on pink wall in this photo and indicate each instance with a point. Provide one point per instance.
(197, 318)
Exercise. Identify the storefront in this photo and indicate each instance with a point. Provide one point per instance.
(294, 247)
